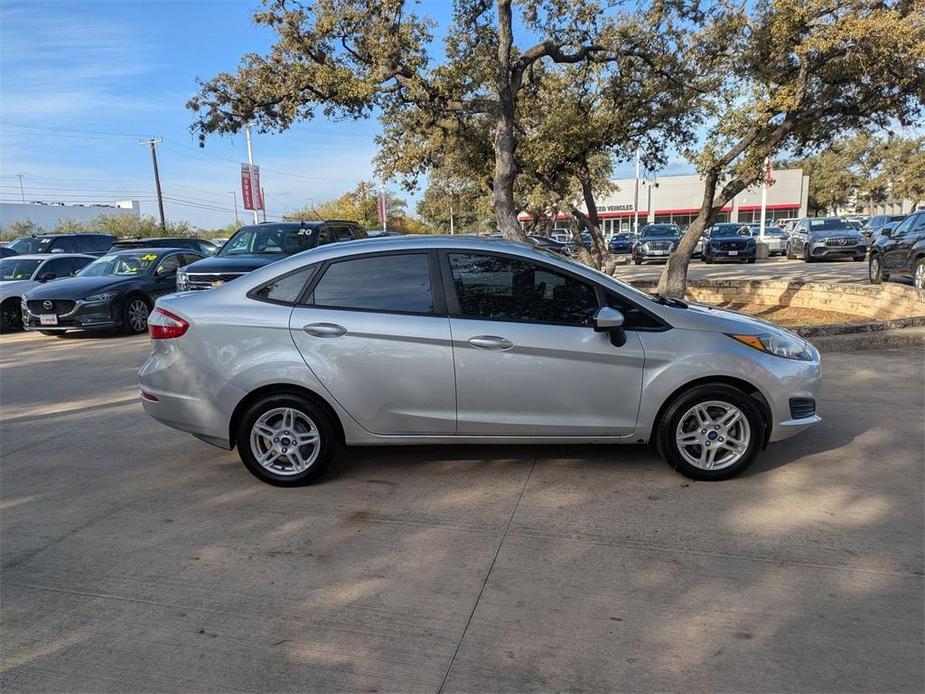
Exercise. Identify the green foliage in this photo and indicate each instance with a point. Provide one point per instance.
(21, 227)
(464, 201)
(359, 205)
(125, 226)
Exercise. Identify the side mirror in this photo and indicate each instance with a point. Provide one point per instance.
(886, 231)
(47, 276)
(610, 320)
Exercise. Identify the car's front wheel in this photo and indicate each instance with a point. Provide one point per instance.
(135, 318)
(10, 315)
(286, 440)
(711, 432)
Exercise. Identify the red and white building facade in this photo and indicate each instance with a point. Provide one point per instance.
(677, 199)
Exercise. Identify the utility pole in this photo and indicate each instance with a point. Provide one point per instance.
(234, 196)
(263, 199)
(250, 161)
(22, 191)
(157, 179)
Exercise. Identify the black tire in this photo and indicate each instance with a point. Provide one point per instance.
(789, 252)
(859, 259)
(807, 258)
(10, 316)
(131, 315)
(875, 272)
(638, 262)
(708, 259)
(750, 260)
(918, 274)
(665, 436)
(327, 446)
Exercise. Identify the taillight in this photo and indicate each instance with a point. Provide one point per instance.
(163, 325)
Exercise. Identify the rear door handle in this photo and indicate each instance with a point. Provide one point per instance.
(491, 342)
(325, 329)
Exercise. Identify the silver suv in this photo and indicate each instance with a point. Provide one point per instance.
(440, 340)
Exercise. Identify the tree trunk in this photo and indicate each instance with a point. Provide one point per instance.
(593, 224)
(502, 190)
(673, 280)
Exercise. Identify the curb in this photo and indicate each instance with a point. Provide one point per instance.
(879, 339)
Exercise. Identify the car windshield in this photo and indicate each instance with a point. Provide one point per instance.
(728, 230)
(124, 264)
(829, 224)
(17, 268)
(661, 231)
(29, 244)
(270, 240)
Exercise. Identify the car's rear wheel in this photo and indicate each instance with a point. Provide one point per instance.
(135, 315)
(918, 274)
(711, 432)
(286, 440)
(10, 315)
(875, 270)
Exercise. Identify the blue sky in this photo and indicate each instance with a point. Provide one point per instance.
(81, 82)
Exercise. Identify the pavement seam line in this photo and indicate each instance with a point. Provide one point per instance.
(491, 566)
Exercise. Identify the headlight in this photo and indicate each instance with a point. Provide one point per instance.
(100, 298)
(784, 346)
(645, 247)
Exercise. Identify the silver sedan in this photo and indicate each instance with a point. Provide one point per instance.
(443, 340)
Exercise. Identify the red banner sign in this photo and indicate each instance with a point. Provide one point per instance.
(249, 182)
(382, 209)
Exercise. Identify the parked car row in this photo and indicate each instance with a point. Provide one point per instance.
(54, 292)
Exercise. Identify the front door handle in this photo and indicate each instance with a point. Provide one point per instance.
(491, 342)
(325, 329)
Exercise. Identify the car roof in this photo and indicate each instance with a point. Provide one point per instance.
(159, 238)
(74, 233)
(157, 250)
(50, 256)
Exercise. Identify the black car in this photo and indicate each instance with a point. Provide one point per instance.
(207, 248)
(258, 245)
(729, 241)
(116, 291)
(871, 229)
(87, 244)
(621, 243)
(656, 242)
(827, 238)
(901, 252)
(6, 252)
(549, 244)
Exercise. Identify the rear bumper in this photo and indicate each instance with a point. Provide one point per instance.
(187, 396)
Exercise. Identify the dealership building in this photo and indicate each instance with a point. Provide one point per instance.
(677, 199)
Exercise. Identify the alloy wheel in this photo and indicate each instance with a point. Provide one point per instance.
(138, 315)
(919, 278)
(285, 441)
(873, 270)
(713, 435)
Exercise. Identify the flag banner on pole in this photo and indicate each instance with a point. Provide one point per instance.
(768, 173)
(247, 191)
(382, 210)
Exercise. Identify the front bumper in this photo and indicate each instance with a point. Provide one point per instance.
(822, 250)
(731, 254)
(83, 316)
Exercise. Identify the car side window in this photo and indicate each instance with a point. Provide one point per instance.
(918, 224)
(62, 245)
(285, 289)
(399, 283)
(187, 258)
(904, 226)
(78, 264)
(494, 287)
(327, 235)
(168, 265)
(61, 267)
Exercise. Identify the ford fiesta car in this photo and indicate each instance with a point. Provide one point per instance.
(114, 292)
(425, 340)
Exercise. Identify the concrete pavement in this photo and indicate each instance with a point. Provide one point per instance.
(135, 558)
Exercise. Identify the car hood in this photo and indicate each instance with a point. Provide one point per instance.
(658, 238)
(233, 263)
(79, 287)
(722, 320)
(15, 288)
